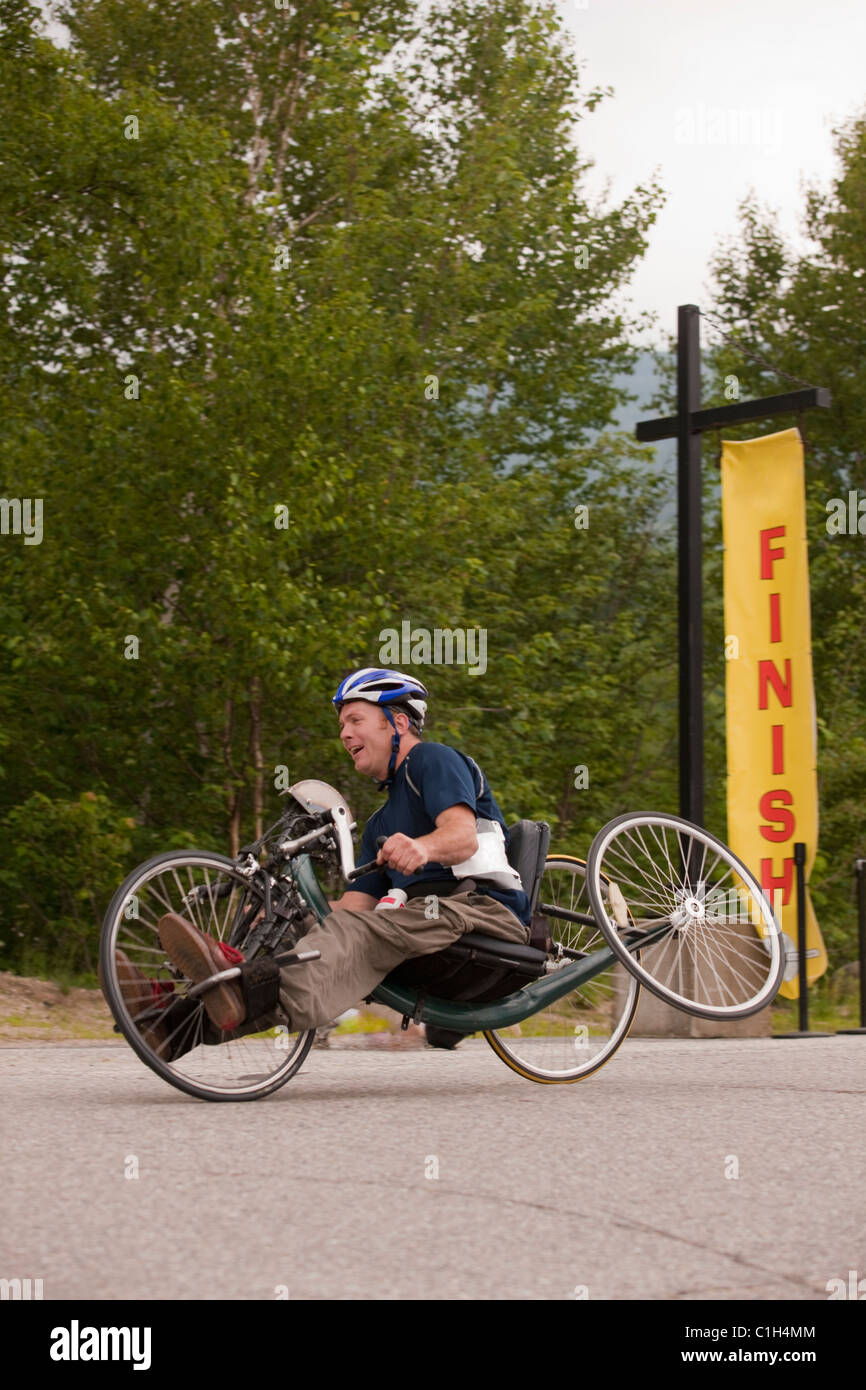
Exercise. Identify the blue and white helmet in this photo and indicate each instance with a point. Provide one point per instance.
(384, 687)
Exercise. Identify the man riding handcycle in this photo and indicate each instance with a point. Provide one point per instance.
(218, 974)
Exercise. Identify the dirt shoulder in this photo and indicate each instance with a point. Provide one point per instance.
(33, 1010)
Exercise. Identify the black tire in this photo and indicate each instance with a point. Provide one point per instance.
(243, 1066)
(723, 956)
(592, 1021)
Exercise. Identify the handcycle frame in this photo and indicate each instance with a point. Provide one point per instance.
(416, 1004)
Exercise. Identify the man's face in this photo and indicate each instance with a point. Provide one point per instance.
(366, 734)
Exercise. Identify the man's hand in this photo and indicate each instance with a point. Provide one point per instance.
(453, 840)
(405, 855)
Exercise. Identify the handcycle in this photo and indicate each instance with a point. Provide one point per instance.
(659, 902)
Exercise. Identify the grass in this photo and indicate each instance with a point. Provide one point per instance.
(824, 1017)
(68, 1028)
(364, 1023)
(834, 1003)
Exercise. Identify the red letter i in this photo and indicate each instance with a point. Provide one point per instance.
(775, 619)
(778, 749)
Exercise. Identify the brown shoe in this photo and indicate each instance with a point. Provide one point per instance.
(199, 957)
(140, 993)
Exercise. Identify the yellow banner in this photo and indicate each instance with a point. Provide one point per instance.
(770, 697)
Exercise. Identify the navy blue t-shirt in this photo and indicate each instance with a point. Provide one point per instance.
(431, 778)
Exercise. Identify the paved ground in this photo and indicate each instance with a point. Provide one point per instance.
(616, 1186)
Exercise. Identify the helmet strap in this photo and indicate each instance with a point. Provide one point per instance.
(395, 745)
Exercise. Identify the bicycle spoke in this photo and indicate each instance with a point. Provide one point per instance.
(712, 963)
(161, 896)
(155, 1009)
(573, 1036)
(641, 884)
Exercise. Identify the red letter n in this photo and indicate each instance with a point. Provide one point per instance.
(769, 675)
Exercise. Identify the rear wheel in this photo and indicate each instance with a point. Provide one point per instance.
(713, 946)
(147, 993)
(577, 1034)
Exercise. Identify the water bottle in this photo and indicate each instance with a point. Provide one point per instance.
(396, 898)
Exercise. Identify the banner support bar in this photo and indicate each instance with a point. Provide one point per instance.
(803, 1001)
(860, 871)
(687, 427)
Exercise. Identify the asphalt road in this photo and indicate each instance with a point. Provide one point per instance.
(614, 1188)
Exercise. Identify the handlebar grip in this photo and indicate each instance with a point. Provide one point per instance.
(362, 869)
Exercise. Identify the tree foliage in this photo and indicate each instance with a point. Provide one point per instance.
(307, 335)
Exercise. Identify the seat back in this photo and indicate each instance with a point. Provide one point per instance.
(528, 843)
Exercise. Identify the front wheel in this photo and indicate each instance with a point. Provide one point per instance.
(708, 940)
(147, 993)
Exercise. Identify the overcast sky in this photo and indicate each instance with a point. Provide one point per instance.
(719, 98)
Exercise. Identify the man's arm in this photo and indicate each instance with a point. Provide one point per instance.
(454, 839)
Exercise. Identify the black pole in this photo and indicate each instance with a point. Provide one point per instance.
(861, 921)
(690, 555)
(860, 870)
(800, 862)
(803, 1002)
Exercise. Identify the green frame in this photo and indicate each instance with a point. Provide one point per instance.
(471, 1018)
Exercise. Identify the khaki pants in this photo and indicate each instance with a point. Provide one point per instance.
(360, 948)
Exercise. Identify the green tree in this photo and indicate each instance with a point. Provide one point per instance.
(54, 883)
(339, 272)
